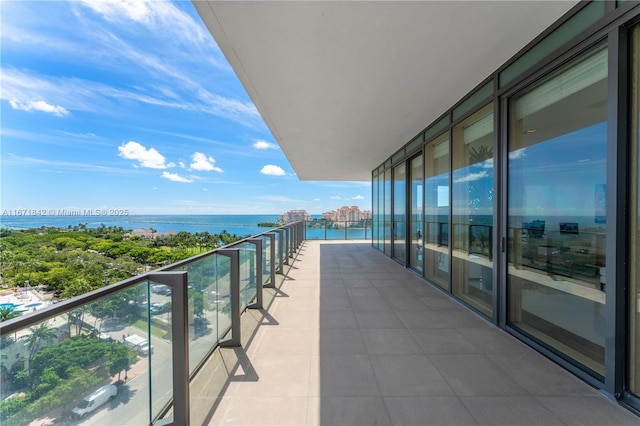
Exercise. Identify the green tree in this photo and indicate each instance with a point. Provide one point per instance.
(40, 335)
(7, 312)
(77, 287)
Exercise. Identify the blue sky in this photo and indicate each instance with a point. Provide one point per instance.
(130, 105)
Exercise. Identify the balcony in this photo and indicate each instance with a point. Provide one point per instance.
(341, 334)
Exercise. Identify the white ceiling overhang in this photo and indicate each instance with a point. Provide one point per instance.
(343, 85)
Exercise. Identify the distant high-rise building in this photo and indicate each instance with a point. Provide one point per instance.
(347, 214)
(294, 216)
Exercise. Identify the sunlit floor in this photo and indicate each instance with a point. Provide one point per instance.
(349, 337)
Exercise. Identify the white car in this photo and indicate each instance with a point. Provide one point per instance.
(94, 400)
(141, 344)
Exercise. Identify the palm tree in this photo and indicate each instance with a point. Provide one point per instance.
(7, 312)
(41, 334)
(101, 310)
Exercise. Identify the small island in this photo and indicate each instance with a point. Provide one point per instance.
(268, 224)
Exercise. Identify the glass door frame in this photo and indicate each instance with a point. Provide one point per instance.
(617, 40)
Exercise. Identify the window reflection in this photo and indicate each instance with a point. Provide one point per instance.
(472, 208)
(557, 210)
(399, 213)
(387, 212)
(417, 172)
(436, 196)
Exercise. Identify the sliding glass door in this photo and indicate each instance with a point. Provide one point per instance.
(387, 212)
(557, 180)
(472, 210)
(417, 233)
(399, 213)
(436, 214)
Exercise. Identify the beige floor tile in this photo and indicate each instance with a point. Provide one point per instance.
(260, 410)
(409, 375)
(349, 337)
(428, 411)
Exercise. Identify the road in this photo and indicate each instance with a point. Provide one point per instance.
(131, 405)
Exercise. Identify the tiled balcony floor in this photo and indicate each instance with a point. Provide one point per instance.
(349, 337)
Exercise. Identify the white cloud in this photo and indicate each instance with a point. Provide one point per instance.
(161, 16)
(515, 155)
(260, 144)
(86, 95)
(487, 164)
(316, 199)
(181, 164)
(58, 166)
(358, 197)
(43, 106)
(336, 197)
(112, 9)
(279, 198)
(174, 177)
(471, 177)
(146, 157)
(272, 170)
(203, 163)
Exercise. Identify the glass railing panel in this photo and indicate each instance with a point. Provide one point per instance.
(266, 259)
(89, 364)
(278, 242)
(209, 315)
(158, 347)
(357, 230)
(247, 257)
(336, 230)
(221, 304)
(315, 230)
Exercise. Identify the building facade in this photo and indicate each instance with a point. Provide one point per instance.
(294, 216)
(522, 200)
(346, 214)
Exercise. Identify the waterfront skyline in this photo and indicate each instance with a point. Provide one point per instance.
(113, 106)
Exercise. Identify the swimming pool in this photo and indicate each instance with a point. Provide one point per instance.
(8, 305)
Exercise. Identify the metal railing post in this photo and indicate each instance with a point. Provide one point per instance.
(178, 283)
(345, 229)
(234, 256)
(258, 271)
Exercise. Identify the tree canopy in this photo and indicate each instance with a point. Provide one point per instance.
(78, 259)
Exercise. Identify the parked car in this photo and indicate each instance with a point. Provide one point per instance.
(94, 400)
(140, 344)
(161, 289)
(160, 307)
